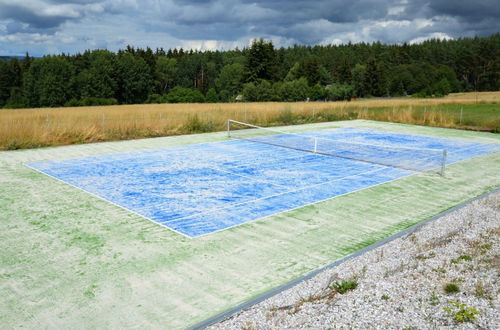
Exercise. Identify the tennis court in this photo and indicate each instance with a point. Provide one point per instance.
(199, 189)
(105, 266)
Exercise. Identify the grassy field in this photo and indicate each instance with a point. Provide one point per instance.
(70, 260)
(32, 128)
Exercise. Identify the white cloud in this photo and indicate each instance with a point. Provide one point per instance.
(434, 35)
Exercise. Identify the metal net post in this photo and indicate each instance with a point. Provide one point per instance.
(443, 164)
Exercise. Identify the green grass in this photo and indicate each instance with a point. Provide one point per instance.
(461, 312)
(480, 116)
(461, 258)
(68, 259)
(451, 288)
(485, 116)
(344, 286)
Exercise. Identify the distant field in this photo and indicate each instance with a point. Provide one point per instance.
(32, 128)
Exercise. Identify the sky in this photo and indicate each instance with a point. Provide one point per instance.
(43, 27)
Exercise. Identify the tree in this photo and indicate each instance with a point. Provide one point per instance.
(98, 79)
(262, 61)
(317, 93)
(359, 80)
(259, 92)
(343, 71)
(6, 82)
(211, 96)
(293, 73)
(401, 80)
(309, 69)
(134, 81)
(184, 95)
(17, 72)
(296, 90)
(339, 92)
(376, 78)
(48, 83)
(230, 81)
(441, 88)
(165, 73)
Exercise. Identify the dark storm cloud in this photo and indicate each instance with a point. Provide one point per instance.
(469, 11)
(173, 23)
(340, 11)
(22, 14)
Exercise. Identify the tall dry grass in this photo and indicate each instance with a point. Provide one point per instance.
(28, 128)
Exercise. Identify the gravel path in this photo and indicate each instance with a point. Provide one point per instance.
(401, 285)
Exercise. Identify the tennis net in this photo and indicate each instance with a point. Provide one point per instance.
(414, 159)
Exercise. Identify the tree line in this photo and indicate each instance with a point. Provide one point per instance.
(259, 72)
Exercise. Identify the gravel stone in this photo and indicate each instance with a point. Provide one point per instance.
(410, 273)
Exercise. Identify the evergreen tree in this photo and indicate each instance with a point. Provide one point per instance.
(359, 80)
(262, 61)
(6, 82)
(134, 81)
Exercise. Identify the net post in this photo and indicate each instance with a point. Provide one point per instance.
(315, 145)
(443, 161)
(229, 128)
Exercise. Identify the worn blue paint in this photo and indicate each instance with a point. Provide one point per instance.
(198, 189)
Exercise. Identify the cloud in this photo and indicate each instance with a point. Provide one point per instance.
(75, 25)
(38, 16)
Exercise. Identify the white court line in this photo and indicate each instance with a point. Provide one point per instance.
(107, 200)
(305, 205)
(276, 195)
(248, 177)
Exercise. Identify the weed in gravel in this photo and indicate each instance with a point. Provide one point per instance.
(380, 255)
(363, 271)
(485, 247)
(451, 288)
(442, 241)
(493, 261)
(434, 300)
(344, 286)
(461, 258)
(413, 238)
(295, 308)
(461, 312)
(385, 297)
(424, 257)
(247, 326)
(480, 291)
(482, 245)
(494, 231)
(440, 270)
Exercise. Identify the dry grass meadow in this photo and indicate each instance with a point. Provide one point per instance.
(31, 128)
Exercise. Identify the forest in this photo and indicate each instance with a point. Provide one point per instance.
(260, 72)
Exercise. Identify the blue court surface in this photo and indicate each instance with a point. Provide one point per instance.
(200, 189)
